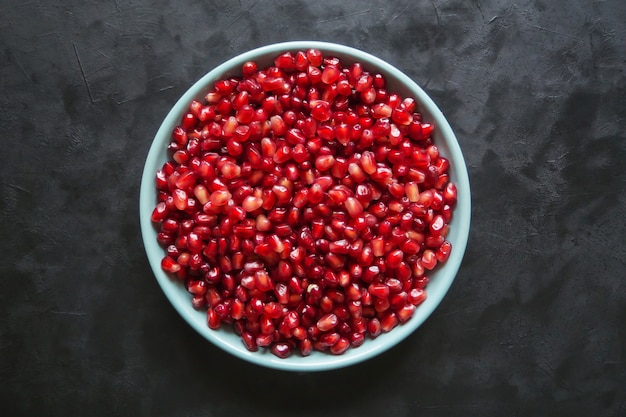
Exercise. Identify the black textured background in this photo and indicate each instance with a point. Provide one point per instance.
(534, 323)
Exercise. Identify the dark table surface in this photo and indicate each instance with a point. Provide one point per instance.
(535, 321)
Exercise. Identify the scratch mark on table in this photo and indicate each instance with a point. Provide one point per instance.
(240, 15)
(23, 70)
(82, 72)
(51, 33)
(437, 15)
(431, 407)
(554, 32)
(558, 159)
(68, 313)
(481, 101)
(343, 16)
(400, 13)
(17, 187)
(168, 87)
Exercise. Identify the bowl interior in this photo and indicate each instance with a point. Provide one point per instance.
(441, 278)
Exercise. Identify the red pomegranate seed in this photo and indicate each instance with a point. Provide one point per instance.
(220, 198)
(450, 193)
(329, 339)
(249, 341)
(213, 320)
(159, 213)
(379, 290)
(315, 57)
(394, 258)
(429, 259)
(330, 74)
(416, 296)
(443, 253)
(340, 346)
(412, 192)
(388, 321)
(356, 172)
(327, 322)
(324, 162)
(437, 225)
(406, 312)
(320, 110)
(251, 203)
(282, 350)
(180, 199)
(354, 207)
(374, 327)
(427, 129)
(170, 265)
(402, 116)
(286, 62)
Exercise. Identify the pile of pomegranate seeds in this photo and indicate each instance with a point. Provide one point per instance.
(303, 204)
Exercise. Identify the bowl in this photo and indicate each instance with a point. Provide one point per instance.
(440, 279)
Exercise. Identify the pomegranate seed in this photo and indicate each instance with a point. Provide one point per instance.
(251, 203)
(416, 296)
(170, 265)
(282, 350)
(429, 259)
(249, 341)
(354, 207)
(374, 327)
(410, 246)
(437, 225)
(412, 192)
(364, 82)
(324, 162)
(450, 193)
(213, 320)
(180, 199)
(394, 258)
(327, 322)
(368, 162)
(402, 116)
(427, 129)
(443, 253)
(330, 74)
(315, 57)
(286, 62)
(160, 212)
(406, 312)
(356, 172)
(388, 321)
(379, 290)
(340, 346)
(320, 110)
(201, 194)
(381, 110)
(220, 198)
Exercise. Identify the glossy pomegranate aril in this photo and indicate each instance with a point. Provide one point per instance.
(282, 350)
(327, 322)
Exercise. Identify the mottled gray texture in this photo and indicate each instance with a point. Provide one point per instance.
(534, 324)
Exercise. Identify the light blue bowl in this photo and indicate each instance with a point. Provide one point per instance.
(441, 278)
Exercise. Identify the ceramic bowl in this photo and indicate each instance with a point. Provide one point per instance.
(441, 278)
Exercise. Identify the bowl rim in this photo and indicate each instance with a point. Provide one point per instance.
(322, 361)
